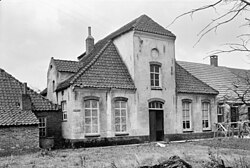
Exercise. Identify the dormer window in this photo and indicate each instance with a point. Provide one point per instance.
(155, 75)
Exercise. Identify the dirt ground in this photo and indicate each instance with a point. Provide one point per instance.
(128, 156)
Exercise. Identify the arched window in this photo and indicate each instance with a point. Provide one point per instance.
(206, 115)
(120, 115)
(155, 105)
(186, 115)
(91, 111)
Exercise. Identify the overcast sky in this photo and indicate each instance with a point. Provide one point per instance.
(33, 31)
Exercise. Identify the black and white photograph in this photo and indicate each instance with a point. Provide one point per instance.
(124, 83)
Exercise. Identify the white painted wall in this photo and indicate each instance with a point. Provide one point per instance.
(125, 48)
(143, 44)
(196, 111)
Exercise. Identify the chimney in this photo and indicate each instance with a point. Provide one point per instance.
(214, 60)
(25, 100)
(89, 42)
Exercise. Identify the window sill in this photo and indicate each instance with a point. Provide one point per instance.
(187, 131)
(64, 120)
(121, 134)
(156, 88)
(207, 130)
(92, 135)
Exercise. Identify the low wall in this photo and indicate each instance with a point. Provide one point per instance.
(189, 136)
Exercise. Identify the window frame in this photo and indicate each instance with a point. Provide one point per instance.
(91, 133)
(43, 127)
(64, 110)
(189, 103)
(155, 105)
(120, 100)
(220, 113)
(208, 115)
(154, 73)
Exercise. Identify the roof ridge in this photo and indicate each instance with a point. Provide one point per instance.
(65, 60)
(197, 78)
(83, 69)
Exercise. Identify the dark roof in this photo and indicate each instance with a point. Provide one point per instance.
(105, 70)
(187, 83)
(13, 115)
(142, 23)
(44, 92)
(10, 93)
(66, 65)
(219, 78)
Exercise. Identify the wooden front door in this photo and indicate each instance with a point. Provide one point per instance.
(156, 126)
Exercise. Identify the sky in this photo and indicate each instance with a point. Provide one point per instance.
(33, 31)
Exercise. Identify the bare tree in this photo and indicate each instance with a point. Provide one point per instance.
(235, 8)
(240, 88)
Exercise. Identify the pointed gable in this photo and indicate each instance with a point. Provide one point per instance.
(107, 70)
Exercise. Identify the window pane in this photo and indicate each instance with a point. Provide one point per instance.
(156, 76)
(123, 128)
(117, 120)
(123, 113)
(156, 82)
(151, 68)
(123, 120)
(87, 112)
(87, 120)
(94, 121)
(94, 113)
(152, 83)
(117, 128)
(117, 112)
(188, 124)
(87, 104)
(152, 76)
(157, 69)
(123, 104)
(87, 129)
(94, 104)
(95, 129)
(117, 104)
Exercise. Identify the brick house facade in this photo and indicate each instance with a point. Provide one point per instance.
(21, 110)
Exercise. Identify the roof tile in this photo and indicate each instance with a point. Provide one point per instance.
(187, 83)
(10, 92)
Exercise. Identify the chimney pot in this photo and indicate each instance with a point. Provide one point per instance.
(25, 99)
(214, 60)
(89, 30)
(89, 42)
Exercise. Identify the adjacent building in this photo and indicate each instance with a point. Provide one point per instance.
(25, 116)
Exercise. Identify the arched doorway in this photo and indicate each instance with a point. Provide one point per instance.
(156, 122)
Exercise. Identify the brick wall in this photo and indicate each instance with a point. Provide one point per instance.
(54, 120)
(53, 129)
(18, 138)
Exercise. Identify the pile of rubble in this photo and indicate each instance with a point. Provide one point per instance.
(172, 162)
